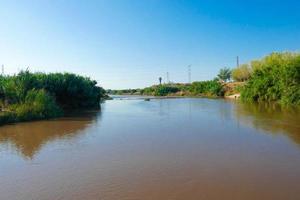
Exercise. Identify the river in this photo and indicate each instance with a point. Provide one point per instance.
(162, 149)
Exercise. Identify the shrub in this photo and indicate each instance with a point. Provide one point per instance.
(148, 90)
(163, 90)
(241, 73)
(7, 117)
(275, 78)
(30, 96)
(69, 90)
(38, 105)
(209, 88)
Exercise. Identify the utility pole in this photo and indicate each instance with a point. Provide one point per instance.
(237, 61)
(168, 80)
(2, 70)
(189, 74)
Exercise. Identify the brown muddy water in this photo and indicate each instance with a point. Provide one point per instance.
(163, 149)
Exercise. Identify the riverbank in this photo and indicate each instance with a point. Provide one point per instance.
(204, 89)
(211, 88)
(30, 96)
(274, 78)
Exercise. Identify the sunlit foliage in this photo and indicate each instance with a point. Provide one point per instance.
(275, 78)
(224, 74)
(28, 96)
(241, 73)
(208, 88)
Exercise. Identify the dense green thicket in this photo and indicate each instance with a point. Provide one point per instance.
(163, 90)
(241, 73)
(38, 104)
(7, 117)
(207, 88)
(211, 88)
(28, 96)
(274, 78)
(124, 91)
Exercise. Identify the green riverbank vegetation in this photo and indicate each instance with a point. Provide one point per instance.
(211, 88)
(31, 96)
(274, 78)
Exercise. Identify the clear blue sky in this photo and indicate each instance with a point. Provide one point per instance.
(130, 43)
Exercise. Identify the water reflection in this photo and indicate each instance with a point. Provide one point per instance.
(270, 118)
(29, 138)
(157, 149)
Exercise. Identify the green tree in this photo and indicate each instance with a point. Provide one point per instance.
(224, 74)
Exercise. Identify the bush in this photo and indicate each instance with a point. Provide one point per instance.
(148, 90)
(205, 88)
(163, 90)
(38, 105)
(72, 91)
(241, 73)
(69, 90)
(275, 78)
(208, 88)
(7, 117)
(37, 95)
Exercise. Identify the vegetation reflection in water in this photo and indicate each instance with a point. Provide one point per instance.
(29, 138)
(270, 118)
